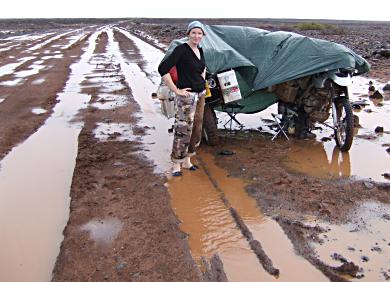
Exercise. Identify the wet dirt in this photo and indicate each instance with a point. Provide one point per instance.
(115, 184)
(53, 147)
(19, 100)
(113, 179)
(198, 207)
(364, 240)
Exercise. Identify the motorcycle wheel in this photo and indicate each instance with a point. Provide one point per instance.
(210, 129)
(344, 128)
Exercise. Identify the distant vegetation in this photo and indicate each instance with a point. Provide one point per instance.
(323, 27)
(314, 26)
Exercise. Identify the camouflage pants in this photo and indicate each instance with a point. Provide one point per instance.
(188, 125)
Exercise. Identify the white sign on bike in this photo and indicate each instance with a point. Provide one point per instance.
(229, 86)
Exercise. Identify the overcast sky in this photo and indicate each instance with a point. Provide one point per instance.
(301, 9)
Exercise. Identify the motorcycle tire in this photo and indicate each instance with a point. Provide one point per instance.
(210, 129)
(343, 134)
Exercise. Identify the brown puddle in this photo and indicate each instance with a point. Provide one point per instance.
(212, 230)
(365, 241)
(210, 227)
(324, 160)
(35, 178)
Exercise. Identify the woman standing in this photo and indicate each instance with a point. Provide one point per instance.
(190, 91)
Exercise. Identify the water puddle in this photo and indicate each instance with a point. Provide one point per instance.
(211, 228)
(8, 48)
(264, 229)
(151, 55)
(11, 83)
(32, 70)
(30, 37)
(38, 111)
(39, 201)
(73, 40)
(324, 160)
(57, 56)
(109, 101)
(38, 81)
(365, 241)
(103, 231)
(114, 132)
(48, 41)
(10, 68)
(104, 79)
(142, 87)
(151, 38)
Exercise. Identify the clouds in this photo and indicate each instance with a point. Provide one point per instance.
(329, 9)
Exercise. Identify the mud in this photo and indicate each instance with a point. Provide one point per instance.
(113, 180)
(124, 220)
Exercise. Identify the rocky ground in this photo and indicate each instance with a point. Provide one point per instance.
(112, 180)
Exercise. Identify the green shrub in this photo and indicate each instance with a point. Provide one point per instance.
(313, 26)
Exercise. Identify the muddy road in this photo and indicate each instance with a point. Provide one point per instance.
(85, 192)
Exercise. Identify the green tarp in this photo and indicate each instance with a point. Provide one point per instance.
(263, 58)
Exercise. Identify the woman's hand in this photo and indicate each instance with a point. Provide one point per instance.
(183, 92)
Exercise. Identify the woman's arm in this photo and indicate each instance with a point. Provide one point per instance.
(165, 67)
(168, 81)
(204, 74)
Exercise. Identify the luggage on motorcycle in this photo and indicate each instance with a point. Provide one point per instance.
(229, 86)
(167, 99)
(287, 91)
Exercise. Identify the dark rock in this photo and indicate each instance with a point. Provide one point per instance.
(386, 87)
(356, 121)
(385, 53)
(338, 257)
(368, 110)
(376, 249)
(226, 153)
(365, 258)
(371, 88)
(388, 150)
(120, 266)
(384, 186)
(326, 139)
(348, 268)
(376, 95)
(368, 185)
(387, 276)
(379, 129)
(154, 95)
(386, 175)
(356, 106)
(352, 249)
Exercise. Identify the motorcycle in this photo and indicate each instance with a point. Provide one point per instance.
(302, 104)
(307, 77)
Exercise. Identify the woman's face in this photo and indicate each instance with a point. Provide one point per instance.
(196, 35)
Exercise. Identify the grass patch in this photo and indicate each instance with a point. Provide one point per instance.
(314, 26)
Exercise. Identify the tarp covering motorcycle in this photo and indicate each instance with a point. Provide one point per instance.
(263, 58)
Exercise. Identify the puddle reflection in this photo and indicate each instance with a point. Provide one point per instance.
(318, 161)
